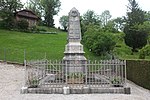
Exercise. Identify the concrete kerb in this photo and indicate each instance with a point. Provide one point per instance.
(66, 90)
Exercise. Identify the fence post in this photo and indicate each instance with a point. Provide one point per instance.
(45, 56)
(125, 72)
(86, 72)
(25, 68)
(66, 71)
(24, 89)
(4, 54)
(24, 56)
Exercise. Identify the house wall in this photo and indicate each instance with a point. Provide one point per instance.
(30, 17)
(32, 22)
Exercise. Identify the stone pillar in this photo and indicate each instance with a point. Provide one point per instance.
(74, 54)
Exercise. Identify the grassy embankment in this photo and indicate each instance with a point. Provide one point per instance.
(51, 46)
(13, 44)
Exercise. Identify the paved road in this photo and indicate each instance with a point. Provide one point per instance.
(11, 80)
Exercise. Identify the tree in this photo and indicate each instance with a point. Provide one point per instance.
(36, 7)
(105, 17)
(64, 22)
(119, 23)
(145, 51)
(7, 10)
(98, 41)
(10, 5)
(51, 8)
(90, 17)
(147, 16)
(146, 24)
(110, 27)
(135, 37)
(22, 25)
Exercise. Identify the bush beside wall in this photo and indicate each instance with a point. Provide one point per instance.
(138, 71)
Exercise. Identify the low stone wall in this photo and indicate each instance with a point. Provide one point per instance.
(138, 71)
(84, 90)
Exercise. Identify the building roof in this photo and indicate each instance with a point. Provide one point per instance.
(27, 13)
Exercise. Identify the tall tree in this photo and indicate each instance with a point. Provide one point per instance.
(51, 8)
(146, 25)
(64, 22)
(119, 23)
(35, 6)
(135, 37)
(135, 14)
(7, 10)
(90, 17)
(105, 17)
(8, 7)
(110, 27)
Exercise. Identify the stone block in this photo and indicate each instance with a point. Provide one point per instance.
(127, 90)
(86, 90)
(24, 90)
(66, 90)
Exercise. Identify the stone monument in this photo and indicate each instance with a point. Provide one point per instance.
(74, 54)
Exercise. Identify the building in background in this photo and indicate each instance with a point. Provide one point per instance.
(28, 15)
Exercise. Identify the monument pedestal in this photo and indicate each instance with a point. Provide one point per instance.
(74, 58)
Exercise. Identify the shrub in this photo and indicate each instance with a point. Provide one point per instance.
(145, 51)
(1, 24)
(8, 23)
(135, 38)
(99, 42)
(41, 29)
(22, 25)
(116, 80)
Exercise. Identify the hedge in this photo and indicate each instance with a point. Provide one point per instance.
(138, 71)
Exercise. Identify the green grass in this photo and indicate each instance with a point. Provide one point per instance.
(36, 46)
(49, 29)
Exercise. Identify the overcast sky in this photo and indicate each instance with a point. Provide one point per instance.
(117, 8)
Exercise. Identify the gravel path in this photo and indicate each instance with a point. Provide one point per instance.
(11, 81)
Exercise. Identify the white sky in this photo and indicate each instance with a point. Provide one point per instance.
(117, 8)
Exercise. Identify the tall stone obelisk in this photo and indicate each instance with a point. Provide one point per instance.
(74, 54)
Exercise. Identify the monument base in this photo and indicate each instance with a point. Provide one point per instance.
(74, 59)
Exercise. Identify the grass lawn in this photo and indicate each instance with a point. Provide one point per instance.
(38, 46)
(35, 45)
